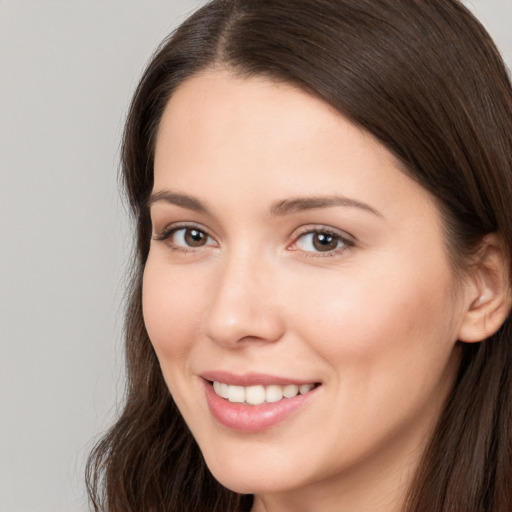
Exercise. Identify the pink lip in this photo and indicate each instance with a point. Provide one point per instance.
(253, 418)
(250, 379)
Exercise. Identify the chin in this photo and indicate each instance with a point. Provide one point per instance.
(249, 475)
(250, 482)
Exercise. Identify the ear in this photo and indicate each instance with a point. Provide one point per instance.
(488, 292)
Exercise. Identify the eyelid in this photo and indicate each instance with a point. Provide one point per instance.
(347, 239)
(170, 229)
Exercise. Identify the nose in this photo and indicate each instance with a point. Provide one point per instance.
(243, 304)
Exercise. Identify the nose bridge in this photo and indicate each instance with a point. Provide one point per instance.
(242, 303)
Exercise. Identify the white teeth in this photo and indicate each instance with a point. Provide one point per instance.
(256, 395)
(273, 393)
(304, 388)
(224, 390)
(236, 394)
(221, 389)
(290, 390)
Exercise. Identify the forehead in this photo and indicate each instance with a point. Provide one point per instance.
(270, 140)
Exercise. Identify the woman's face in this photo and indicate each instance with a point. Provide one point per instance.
(290, 253)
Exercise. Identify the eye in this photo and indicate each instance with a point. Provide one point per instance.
(321, 241)
(190, 237)
(186, 237)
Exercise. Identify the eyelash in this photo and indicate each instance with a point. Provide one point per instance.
(346, 241)
(169, 232)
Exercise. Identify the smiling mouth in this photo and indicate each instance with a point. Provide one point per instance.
(258, 394)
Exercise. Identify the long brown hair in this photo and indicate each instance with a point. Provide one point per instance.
(422, 76)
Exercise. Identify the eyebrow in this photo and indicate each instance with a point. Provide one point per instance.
(288, 206)
(278, 208)
(183, 200)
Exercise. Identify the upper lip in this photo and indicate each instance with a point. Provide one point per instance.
(251, 379)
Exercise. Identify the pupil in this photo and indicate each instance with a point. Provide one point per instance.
(324, 242)
(194, 237)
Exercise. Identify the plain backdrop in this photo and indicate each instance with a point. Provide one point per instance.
(67, 71)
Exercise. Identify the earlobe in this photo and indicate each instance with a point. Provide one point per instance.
(488, 292)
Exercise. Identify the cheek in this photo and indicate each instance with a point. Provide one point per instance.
(388, 317)
(171, 307)
(388, 340)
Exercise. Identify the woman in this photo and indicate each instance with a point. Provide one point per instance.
(320, 313)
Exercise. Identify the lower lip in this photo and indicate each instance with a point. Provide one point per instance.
(253, 418)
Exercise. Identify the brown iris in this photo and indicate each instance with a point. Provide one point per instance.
(324, 241)
(195, 237)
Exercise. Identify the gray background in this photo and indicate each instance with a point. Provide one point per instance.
(67, 70)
